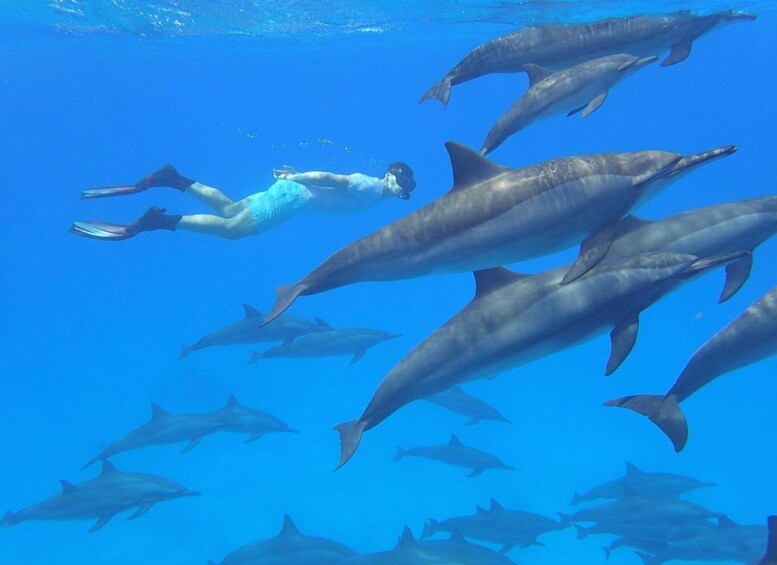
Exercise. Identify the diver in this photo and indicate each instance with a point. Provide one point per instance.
(292, 192)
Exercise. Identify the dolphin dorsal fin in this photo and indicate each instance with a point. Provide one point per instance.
(454, 440)
(289, 528)
(157, 411)
(726, 522)
(252, 312)
(468, 167)
(232, 401)
(323, 325)
(496, 507)
(406, 541)
(536, 73)
(108, 468)
(633, 470)
(67, 486)
(489, 280)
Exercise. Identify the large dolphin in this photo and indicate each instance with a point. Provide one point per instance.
(456, 400)
(110, 493)
(582, 88)
(712, 230)
(456, 453)
(251, 329)
(639, 483)
(328, 342)
(162, 428)
(514, 319)
(234, 417)
(750, 338)
(639, 510)
(496, 215)
(289, 547)
(561, 46)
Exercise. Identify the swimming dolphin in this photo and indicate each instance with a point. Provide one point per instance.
(561, 46)
(162, 428)
(496, 215)
(251, 330)
(639, 483)
(750, 338)
(102, 497)
(712, 230)
(514, 319)
(582, 88)
(289, 547)
(639, 510)
(328, 342)
(456, 400)
(456, 453)
(498, 525)
(234, 417)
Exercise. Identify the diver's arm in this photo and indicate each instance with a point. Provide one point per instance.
(317, 178)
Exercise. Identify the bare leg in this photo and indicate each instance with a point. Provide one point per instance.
(235, 227)
(217, 200)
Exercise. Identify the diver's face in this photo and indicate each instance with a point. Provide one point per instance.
(390, 182)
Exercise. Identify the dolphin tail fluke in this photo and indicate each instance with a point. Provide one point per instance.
(439, 91)
(576, 499)
(648, 559)
(566, 519)
(582, 532)
(663, 411)
(350, 436)
(400, 454)
(284, 297)
(185, 351)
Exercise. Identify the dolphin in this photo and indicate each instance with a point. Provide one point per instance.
(456, 453)
(498, 525)
(639, 483)
(582, 88)
(251, 330)
(328, 342)
(289, 547)
(234, 417)
(565, 45)
(750, 338)
(162, 428)
(456, 400)
(639, 510)
(496, 215)
(514, 319)
(102, 497)
(712, 230)
(770, 557)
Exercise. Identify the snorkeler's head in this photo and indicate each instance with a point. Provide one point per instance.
(403, 175)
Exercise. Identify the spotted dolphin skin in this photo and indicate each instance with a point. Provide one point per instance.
(565, 45)
(750, 338)
(582, 88)
(497, 215)
(514, 319)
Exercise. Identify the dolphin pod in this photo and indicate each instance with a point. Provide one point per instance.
(582, 88)
(495, 215)
(514, 319)
(750, 338)
(561, 46)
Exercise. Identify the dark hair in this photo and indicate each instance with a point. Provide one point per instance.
(404, 175)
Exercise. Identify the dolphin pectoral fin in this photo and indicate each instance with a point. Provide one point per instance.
(595, 103)
(473, 421)
(592, 251)
(678, 54)
(100, 523)
(623, 337)
(737, 274)
(575, 111)
(357, 356)
(350, 436)
(192, 444)
(475, 473)
(142, 509)
(663, 411)
(185, 352)
(506, 548)
(253, 438)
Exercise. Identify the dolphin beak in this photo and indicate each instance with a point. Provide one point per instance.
(644, 62)
(734, 16)
(692, 161)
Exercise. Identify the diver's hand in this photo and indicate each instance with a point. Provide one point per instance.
(284, 173)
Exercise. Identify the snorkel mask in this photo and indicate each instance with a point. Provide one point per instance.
(403, 181)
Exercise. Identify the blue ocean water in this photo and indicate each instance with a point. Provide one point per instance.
(102, 92)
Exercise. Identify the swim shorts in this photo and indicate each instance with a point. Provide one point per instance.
(276, 204)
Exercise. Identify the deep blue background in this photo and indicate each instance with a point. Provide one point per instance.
(90, 331)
